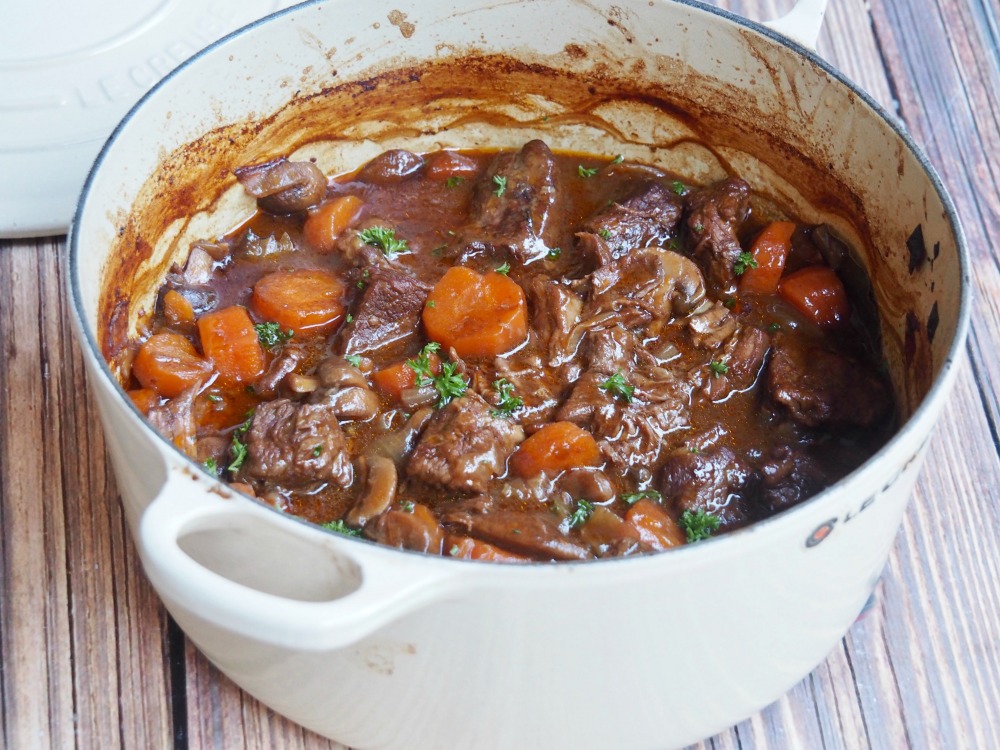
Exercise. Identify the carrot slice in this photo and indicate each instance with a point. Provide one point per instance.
(446, 165)
(556, 447)
(478, 315)
(770, 251)
(655, 526)
(818, 293)
(228, 339)
(396, 378)
(218, 410)
(330, 220)
(468, 548)
(169, 364)
(176, 308)
(144, 399)
(307, 301)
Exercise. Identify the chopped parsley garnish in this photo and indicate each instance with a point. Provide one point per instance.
(422, 364)
(503, 269)
(744, 261)
(679, 187)
(634, 497)
(431, 303)
(604, 233)
(354, 359)
(718, 367)
(585, 172)
(619, 387)
(210, 466)
(555, 253)
(509, 403)
(774, 327)
(454, 182)
(618, 159)
(698, 228)
(407, 506)
(501, 183)
(270, 334)
(729, 303)
(238, 449)
(340, 527)
(449, 384)
(579, 516)
(214, 398)
(350, 318)
(317, 451)
(698, 525)
(384, 238)
(673, 245)
(454, 551)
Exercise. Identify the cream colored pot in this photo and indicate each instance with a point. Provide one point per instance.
(380, 648)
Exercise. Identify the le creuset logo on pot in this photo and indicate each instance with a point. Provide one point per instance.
(825, 529)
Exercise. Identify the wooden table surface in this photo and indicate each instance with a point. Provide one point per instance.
(91, 660)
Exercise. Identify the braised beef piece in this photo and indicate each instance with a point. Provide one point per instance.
(743, 357)
(387, 316)
(716, 481)
(715, 215)
(415, 528)
(555, 310)
(297, 444)
(511, 202)
(464, 446)
(789, 476)
(175, 420)
(539, 535)
(649, 216)
(630, 430)
(281, 366)
(822, 387)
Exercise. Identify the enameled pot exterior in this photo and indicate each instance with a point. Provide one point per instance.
(380, 648)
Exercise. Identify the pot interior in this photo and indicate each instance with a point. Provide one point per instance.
(680, 86)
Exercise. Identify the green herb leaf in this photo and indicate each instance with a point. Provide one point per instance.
(579, 516)
(744, 261)
(698, 228)
(238, 449)
(604, 233)
(618, 159)
(407, 506)
(317, 451)
(774, 327)
(698, 525)
(634, 497)
(340, 527)
(501, 183)
(503, 269)
(350, 318)
(585, 172)
(729, 303)
(679, 187)
(454, 551)
(508, 403)
(431, 303)
(211, 466)
(454, 182)
(673, 245)
(354, 359)
(215, 399)
(422, 364)
(270, 334)
(449, 384)
(555, 253)
(718, 367)
(619, 387)
(384, 238)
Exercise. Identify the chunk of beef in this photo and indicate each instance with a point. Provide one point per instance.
(712, 327)
(715, 481)
(631, 432)
(555, 311)
(539, 535)
(539, 394)
(743, 356)
(175, 420)
(789, 476)
(464, 446)
(715, 214)
(387, 318)
(649, 216)
(416, 529)
(823, 387)
(511, 203)
(281, 186)
(296, 444)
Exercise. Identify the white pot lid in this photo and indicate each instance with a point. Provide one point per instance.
(69, 71)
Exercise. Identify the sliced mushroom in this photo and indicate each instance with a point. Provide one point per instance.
(355, 403)
(281, 186)
(398, 444)
(337, 372)
(381, 482)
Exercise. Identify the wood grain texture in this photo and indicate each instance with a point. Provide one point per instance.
(88, 659)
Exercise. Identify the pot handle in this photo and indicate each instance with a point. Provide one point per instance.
(802, 23)
(362, 596)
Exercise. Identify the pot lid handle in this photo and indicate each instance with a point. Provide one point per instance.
(802, 23)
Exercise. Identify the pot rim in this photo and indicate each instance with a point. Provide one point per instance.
(924, 414)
